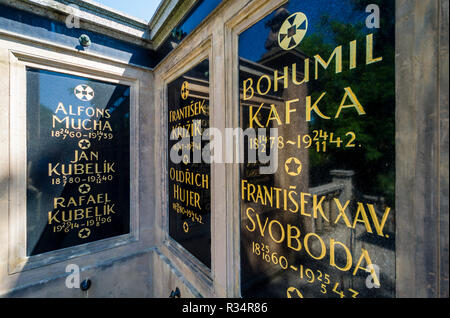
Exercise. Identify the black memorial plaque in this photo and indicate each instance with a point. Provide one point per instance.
(188, 173)
(323, 225)
(78, 160)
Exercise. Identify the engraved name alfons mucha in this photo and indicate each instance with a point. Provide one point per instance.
(188, 175)
(78, 160)
(322, 73)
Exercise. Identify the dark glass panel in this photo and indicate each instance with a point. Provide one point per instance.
(78, 160)
(317, 72)
(189, 176)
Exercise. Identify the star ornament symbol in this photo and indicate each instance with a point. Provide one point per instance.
(84, 233)
(84, 92)
(84, 144)
(293, 166)
(292, 31)
(84, 188)
(185, 90)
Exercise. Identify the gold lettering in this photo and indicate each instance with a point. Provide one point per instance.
(365, 256)
(253, 117)
(284, 78)
(317, 206)
(305, 75)
(246, 88)
(251, 220)
(322, 246)
(289, 110)
(365, 220)
(352, 54)
(355, 103)
(378, 227)
(296, 237)
(369, 50)
(338, 63)
(314, 107)
(273, 110)
(348, 265)
(281, 231)
(269, 85)
(342, 212)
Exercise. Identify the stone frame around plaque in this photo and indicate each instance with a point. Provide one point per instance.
(17, 259)
(223, 278)
(251, 14)
(198, 227)
(273, 57)
(410, 178)
(195, 270)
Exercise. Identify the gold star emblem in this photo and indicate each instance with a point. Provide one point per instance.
(84, 233)
(84, 188)
(84, 144)
(293, 166)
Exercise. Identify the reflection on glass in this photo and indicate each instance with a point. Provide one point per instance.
(197, 14)
(188, 175)
(78, 150)
(323, 225)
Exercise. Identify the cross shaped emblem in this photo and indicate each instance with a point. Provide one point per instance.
(84, 92)
(185, 90)
(292, 31)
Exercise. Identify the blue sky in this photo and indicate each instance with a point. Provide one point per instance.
(142, 9)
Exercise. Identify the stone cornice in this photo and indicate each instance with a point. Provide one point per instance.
(93, 17)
